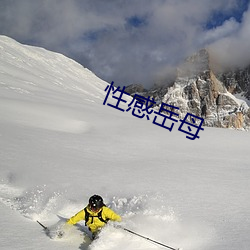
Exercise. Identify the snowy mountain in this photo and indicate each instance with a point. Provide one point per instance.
(199, 90)
(60, 145)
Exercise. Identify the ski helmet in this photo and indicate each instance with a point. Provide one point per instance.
(95, 202)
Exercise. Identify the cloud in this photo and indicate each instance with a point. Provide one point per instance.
(126, 41)
(228, 28)
(232, 50)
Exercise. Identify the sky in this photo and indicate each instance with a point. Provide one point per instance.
(132, 41)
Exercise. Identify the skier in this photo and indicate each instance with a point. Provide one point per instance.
(95, 214)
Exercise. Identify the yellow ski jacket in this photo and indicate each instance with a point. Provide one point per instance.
(94, 223)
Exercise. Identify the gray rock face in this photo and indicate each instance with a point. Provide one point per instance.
(204, 95)
(135, 89)
(198, 90)
(237, 81)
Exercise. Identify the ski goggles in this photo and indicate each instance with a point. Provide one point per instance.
(94, 208)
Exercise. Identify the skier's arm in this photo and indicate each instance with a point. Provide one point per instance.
(110, 214)
(77, 217)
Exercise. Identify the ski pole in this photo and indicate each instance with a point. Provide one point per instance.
(45, 228)
(146, 238)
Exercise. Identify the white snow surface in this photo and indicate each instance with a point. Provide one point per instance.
(60, 145)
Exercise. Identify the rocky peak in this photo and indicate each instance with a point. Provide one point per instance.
(199, 91)
(197, 64)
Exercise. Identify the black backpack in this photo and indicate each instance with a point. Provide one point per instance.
(88, 216)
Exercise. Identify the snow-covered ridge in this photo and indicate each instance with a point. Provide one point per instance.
(33, 74)
(22, 67)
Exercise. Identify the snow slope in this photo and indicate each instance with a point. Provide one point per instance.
(60, 144)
